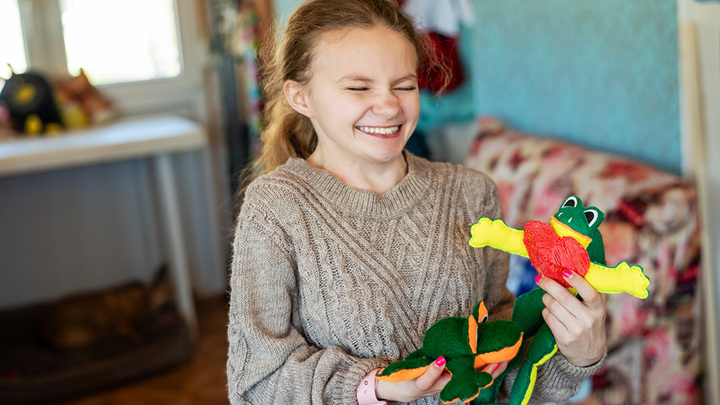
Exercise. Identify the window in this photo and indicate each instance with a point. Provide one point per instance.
(12, 46)
(147, 56)
(121, 41)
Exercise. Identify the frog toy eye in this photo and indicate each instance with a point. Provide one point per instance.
(480, 313)
(571, 202)
(591, 216)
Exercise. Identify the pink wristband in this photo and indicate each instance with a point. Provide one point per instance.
(366, 390)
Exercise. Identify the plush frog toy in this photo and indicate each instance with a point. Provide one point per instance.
(570, 241)
(467, 344)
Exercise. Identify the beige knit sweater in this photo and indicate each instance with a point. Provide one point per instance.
(329, 282)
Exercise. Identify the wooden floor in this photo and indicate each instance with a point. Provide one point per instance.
(202, 381)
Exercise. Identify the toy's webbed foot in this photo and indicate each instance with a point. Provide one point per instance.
(465, 390)
(619, 279)
(496, 234)
(466, 383)
(405, 370)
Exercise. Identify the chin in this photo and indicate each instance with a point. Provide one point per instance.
(388, 155)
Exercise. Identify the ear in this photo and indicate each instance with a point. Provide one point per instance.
(297, 97)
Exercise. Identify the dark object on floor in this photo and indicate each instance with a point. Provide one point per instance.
(79, 320)
(31, 372)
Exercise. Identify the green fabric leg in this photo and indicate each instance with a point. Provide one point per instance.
(414, 360)
(527, 312)
(542, 348)
(465, 382)
(527, 315)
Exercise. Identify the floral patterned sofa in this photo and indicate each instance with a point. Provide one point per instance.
(650, 220)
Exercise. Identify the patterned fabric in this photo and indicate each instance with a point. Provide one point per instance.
(651, 220)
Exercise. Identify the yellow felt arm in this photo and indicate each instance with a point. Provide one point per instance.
(618, 279)
(496, 234)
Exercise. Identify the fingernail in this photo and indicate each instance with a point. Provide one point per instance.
(538, 278)
(440, 362)
(567, 273)
(497, 366)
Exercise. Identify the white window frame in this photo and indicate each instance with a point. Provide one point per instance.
(184, 94)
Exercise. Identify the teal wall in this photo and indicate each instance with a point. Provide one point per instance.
(283, 9)
(603, 73)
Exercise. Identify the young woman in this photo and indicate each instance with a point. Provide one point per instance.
(348, 247)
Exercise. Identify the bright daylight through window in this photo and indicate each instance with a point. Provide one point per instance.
(121, 41)
(12, 46)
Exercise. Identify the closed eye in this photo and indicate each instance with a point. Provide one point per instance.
(406, 88)
(358, 88)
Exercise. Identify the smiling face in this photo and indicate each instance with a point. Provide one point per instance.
(362, 97)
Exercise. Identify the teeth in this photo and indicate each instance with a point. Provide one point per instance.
(379, 131)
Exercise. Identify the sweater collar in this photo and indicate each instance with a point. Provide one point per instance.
(398, 199)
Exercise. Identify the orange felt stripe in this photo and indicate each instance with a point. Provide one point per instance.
(499, 356)
(404, 375)
(479, 363)
(565, 230)
(472, 333)
(482, 310)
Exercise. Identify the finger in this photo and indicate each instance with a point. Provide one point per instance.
(428, 379)
(490, 368)
(561, 314)
(557, 328)
(502, 367)
(495, 369)
(560, 294)
(591, 297)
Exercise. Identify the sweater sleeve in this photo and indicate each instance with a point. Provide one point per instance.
(269, 359)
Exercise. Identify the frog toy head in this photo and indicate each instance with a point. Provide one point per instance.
(581, 223)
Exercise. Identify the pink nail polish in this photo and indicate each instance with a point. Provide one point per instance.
(567, 273)
(440, 362)
(497, 366)
(538, 278)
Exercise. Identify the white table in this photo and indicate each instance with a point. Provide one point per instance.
(155, 138)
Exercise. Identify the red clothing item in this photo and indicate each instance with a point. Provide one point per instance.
(446, 51)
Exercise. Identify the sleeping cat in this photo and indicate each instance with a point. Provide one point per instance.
(82, 319)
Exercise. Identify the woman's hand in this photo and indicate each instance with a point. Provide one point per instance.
(495, 369)
(578, 325)
(428, 384)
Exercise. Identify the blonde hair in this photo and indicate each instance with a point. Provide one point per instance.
(288, 133)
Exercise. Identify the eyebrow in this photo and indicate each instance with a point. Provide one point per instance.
(359, 78)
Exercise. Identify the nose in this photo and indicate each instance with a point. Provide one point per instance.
(386, 104)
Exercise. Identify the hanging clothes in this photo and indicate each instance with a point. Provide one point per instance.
(440, 21)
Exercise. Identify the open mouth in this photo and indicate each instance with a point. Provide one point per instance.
(380, 131)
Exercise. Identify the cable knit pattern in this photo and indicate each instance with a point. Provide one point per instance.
(329, 282)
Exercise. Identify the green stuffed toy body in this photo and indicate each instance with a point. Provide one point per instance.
(570, 241)
(467, 344)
